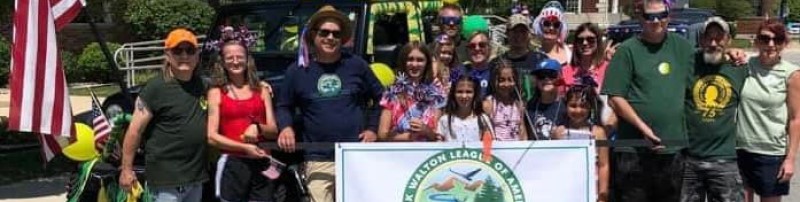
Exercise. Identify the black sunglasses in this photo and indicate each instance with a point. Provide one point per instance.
(763, 38)
(553, 24)
(476, 45)
(545, 74)
(325, 33)
(652, 17)
(449, 20)
(590, 40)
(181, 50)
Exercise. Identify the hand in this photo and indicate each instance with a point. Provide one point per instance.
(786, 171)
(367, 136)
(650, 136)
(420, 127)
(250, 134)
(286, 140)
(559, 133)
(252, 151)
(610, 50)
(737, 56)
(126, 179)
(267, 87)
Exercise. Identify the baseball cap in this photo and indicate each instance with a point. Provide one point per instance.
(178, 36)
(548, 64)
(719, 21)
(518, 19)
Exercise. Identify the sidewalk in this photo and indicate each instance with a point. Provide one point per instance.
(80, 104)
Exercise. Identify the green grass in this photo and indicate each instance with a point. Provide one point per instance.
(102, 91)
(27, 164)
(741, 43)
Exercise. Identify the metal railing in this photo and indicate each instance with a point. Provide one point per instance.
(143, 55)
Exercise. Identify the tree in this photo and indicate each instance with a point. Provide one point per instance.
(734, 9)
(794, 11)
(5, 57)
(489, 192)
(153, 19)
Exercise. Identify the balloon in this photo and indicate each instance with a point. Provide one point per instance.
(83, 148)
(384, 73)
(451, 1)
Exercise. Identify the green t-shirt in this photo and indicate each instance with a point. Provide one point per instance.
(711, 103)
(175, 139)
(652, 78)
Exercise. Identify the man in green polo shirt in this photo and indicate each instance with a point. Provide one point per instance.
(646, 83)
(711, 102)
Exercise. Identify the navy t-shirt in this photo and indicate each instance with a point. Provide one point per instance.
(546, 117)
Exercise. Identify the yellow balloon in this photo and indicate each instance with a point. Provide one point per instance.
(451, 1)
(384, 73)
(83, 148)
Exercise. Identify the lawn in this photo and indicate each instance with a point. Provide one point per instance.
(101, 91)
(741, 43)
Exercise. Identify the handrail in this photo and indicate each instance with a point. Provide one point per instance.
(141, 55)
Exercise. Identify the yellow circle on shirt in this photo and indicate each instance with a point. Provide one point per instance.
(664, 68)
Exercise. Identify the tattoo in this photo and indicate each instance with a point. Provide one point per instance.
(140, 105)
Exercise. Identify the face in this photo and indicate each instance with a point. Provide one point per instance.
(183, 57)
(446, 54)
(450, 22)
(577, 110)
(478, 49)
(551, 29)
(655, 19)
(770, 44)
(505, 81)
(328, 38)
(464, 94)
(519, 37)
(586, 42)
(713, 43)
(235, 59)
(546, 80)
(415, 64)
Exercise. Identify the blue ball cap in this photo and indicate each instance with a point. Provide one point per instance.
(548, 64)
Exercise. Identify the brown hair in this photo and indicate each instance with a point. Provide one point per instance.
(599, 52)
(220, 75)
(427, 74)
(775, 27)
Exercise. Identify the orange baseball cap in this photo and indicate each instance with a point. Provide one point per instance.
(179, 35)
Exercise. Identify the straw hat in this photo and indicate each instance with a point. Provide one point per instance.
(328, 12)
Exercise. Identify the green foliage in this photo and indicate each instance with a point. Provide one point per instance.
(730, 10)
(489, 192)
(92, 65)
(794, 11)
(153, 19)
(69, 61)
(5, 63)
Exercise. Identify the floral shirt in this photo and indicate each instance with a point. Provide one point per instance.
(408, 101)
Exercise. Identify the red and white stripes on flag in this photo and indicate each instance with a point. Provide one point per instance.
(100, 125)
(39, 97)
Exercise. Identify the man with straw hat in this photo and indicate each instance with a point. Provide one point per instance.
(330, 88)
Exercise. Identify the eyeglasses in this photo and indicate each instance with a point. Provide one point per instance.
(326, 33)
(449, 20)
(476, 45)
(551, 23)
(590, 40)
(763, 38)
(545, 74)
(182, 50)
(653, 17)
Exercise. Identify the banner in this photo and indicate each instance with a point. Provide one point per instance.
(552, 171)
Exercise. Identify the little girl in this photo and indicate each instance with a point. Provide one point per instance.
(583, 123)
(463, 118)
(546, 110)
(504, 106)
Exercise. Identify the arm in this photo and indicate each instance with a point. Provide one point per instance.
(793, 104)
(603, 168)
(374, 93)
(560, 133)
(523, 128)
(214, 138)
(269, 129)
(385, 125)
(488, 107)
(141, 117)
(625, 111)
(285, 109)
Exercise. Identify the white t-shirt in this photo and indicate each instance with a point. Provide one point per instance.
(464, 130)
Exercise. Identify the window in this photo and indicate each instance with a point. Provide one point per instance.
(573, 6)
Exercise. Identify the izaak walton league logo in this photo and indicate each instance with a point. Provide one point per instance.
(460, 175)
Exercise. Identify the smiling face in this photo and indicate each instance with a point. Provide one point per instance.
(713, 43)
(464, 94)
(235, 59)
(577, 109)
(446, 53)
(546, 80)
(327, 38)
(770, 45)
(183, 57)
(415, 64)
(450, 21)
(505, 81)
(479, 49)
(586, 42)
(551, 29)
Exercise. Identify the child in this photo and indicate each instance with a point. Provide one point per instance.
(546, 110)
(503, 105)
(582, 123)
(461, 121)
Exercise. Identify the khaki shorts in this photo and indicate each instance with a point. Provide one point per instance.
(320, 179)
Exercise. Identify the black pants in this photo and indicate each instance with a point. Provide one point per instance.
(646, 176)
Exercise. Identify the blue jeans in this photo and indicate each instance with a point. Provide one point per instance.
(185, 193)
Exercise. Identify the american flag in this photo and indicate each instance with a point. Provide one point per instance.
(39, 97)
(100, 125)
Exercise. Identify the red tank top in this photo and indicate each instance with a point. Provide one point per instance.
(235, 116)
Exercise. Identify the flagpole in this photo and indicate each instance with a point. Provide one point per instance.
(114, 69)
(97, 101)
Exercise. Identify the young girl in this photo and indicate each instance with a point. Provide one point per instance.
(582, 123)
(463, 119)
(411, 105)
(239, 116)
(444, 53)
(546, 110)
(504, 106)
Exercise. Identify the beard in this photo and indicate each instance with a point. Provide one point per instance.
(715, 57)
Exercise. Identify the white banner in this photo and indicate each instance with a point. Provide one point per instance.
(552, 171)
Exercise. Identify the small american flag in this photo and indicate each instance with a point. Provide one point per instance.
(100, 125)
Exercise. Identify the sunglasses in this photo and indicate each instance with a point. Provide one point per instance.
(449, 20)
(766, 39)
(590, 40)
(182, 50)
(326, 33)
(653, 17)
(545, 74)
(476, 45)
(550, 23)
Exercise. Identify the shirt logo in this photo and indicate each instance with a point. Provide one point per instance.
(329, 85)
(711, 94)
(664, 68)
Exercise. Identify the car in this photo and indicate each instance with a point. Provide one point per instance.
(681, 19)
(794, 28)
